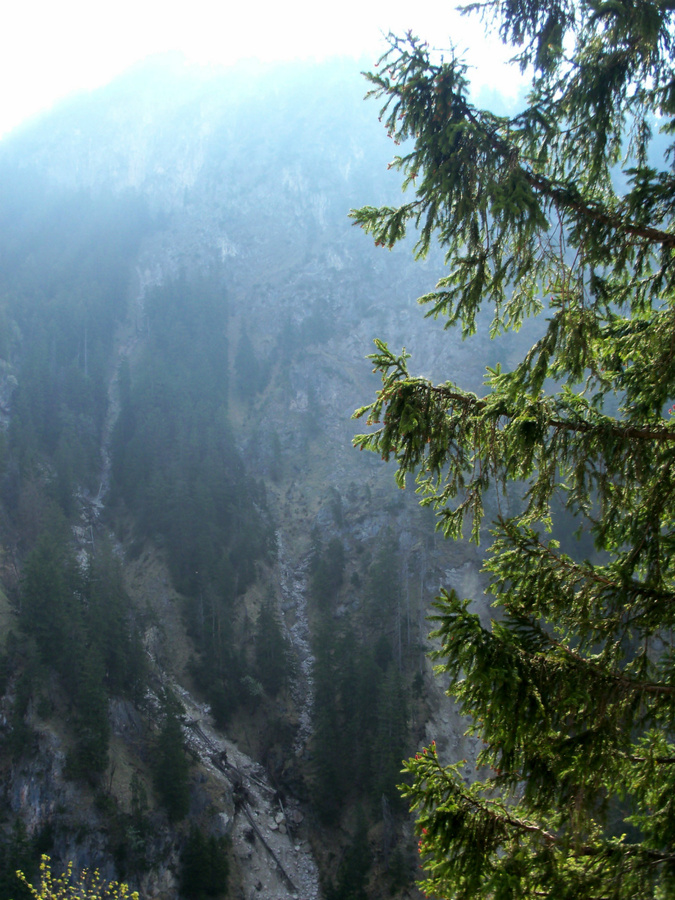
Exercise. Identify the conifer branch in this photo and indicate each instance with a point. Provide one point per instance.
(569, 198)
(641, 687)
(575, 573)
(475, 405)
(503, 817)
(563, 196)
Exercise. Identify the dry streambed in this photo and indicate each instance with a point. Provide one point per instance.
(274, 856)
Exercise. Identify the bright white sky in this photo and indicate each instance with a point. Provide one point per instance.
(50, 48)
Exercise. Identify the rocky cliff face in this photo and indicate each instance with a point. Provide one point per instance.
(247, 178)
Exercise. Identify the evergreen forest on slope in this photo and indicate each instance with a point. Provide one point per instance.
(185, 309)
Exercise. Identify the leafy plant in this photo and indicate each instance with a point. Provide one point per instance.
(85, 886)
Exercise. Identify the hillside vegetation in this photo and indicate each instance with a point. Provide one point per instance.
(213, 651)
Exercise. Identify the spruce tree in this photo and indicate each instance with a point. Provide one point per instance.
(272, 650)
(204, 866)
(562, 212)
(171, 766)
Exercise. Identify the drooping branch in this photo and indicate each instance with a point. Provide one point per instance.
(570, 199)
(476, 405)
(562, 196)
(503, 817)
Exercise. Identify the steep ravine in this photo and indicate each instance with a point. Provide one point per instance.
(268, 838)
(268, 843)
(293, 600)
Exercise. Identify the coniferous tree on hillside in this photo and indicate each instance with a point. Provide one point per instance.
(91, 727)
(170, 765)
(563, 211)
(65, 264)
(272, 651)
(361, 728)
(50, 610)
(327, 571)
(352, 875)
(63, 607)
(177, 469)
(204, 866)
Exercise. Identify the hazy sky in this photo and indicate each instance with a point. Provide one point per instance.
(49, 48)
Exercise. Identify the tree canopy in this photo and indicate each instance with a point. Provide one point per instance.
(563, 213)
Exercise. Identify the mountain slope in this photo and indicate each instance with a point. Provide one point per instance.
(185, 309)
